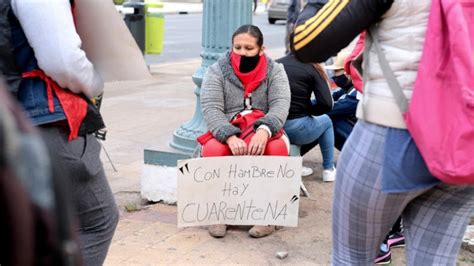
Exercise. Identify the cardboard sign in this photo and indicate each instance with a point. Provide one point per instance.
(239, 190)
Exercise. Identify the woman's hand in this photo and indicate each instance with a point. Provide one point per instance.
(258, 142)
(237, 145)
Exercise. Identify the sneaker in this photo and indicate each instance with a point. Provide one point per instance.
(217, 230)
(384, 256)
(306, 171)
(396, 240)
(329, 175)
(258, 231)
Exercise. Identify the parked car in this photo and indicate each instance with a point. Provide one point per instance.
(277, 10)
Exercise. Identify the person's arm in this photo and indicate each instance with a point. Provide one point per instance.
(325, 27)
(345, 107)
(337, 94)
(212, 103)
(323, 96)
(279, 97)
(50, 30)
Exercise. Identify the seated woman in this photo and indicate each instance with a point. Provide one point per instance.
(307, 124)
(245, 83)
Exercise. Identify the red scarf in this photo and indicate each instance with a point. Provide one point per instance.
(250, 80)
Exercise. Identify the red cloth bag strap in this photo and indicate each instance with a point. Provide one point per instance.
(74, 106)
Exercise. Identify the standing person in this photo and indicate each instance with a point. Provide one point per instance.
(381, 174)
(291, 17)
(343, 117)
(267, 3)
(307, 125)
(244, 82)
(53, 79)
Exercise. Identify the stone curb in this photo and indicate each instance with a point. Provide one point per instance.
(468, 239)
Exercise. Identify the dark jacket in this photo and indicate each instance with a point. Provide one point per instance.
(304, 81)
(314, 41)
(345, 105)
(8, 67)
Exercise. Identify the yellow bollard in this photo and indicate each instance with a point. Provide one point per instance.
(154, 28)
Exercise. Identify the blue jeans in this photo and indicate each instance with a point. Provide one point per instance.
(308, 131)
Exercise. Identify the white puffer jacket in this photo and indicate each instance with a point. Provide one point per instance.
(401, 33)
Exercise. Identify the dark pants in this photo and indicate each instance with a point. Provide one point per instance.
(93, 200)
(342, 130)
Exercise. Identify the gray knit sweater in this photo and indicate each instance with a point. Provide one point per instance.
(222, 97)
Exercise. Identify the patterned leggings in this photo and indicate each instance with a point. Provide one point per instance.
(435, 219)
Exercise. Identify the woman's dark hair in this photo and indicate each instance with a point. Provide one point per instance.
(254, 31)
(320, 71)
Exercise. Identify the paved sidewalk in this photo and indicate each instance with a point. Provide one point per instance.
(144, 114)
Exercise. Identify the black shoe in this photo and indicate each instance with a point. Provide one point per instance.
(384, 256)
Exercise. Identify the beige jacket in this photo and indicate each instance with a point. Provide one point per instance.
(401, 34)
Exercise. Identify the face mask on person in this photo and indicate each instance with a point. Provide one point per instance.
(248, 63)
(342, 81)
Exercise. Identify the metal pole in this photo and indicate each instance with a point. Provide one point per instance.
(220, 19)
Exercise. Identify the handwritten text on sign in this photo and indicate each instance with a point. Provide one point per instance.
(240, 190)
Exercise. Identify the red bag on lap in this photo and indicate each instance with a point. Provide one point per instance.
(212, 147)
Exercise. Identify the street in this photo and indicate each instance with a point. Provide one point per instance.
(182, 39)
